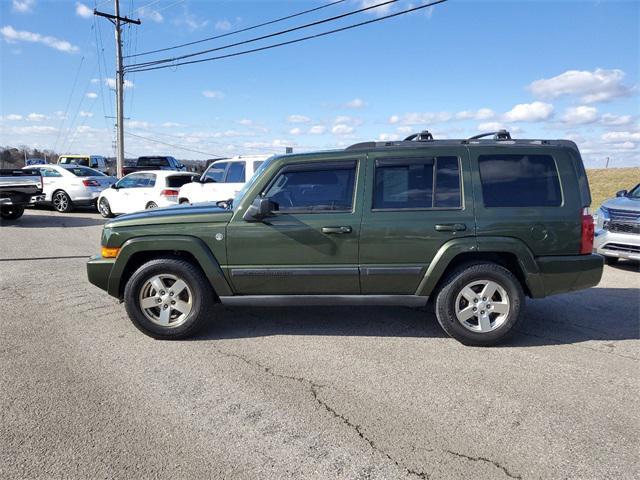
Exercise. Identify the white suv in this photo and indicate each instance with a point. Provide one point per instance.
(222, 180)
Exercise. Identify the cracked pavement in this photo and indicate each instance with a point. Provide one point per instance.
(319, 392)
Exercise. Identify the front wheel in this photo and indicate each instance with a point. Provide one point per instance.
(104, 208)
(168, 298)
(12, 212)
(480, 304)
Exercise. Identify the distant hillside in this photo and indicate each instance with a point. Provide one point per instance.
(605, 182)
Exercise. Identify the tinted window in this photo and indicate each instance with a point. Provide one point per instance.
(74, 161)
(177, 181)
(84, 172)
(235, 174)
(49, 172)
(153, 162)
(323, 187)
(129, 181)
(447, 183)
(215, 173)
(519, 181)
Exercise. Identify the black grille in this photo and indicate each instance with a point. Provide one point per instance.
(624, 215)
(620, 247)
(624, 227)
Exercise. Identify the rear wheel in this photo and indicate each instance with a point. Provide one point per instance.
(480, 304)
(62, 201)
(104, 208)
(151, 205)
(12, 212)
(168, 298)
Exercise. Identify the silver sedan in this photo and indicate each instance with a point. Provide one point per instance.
(66, 186)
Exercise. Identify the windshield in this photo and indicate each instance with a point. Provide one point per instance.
(84, 172)
(634, 193)
(153, 162)
(75, 161)
(247, 186)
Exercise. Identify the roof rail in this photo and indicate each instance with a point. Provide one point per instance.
(499, 135)
(423, 136)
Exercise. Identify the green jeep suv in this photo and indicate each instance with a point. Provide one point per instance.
(473, 225)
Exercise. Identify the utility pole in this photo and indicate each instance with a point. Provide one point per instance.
(117, 21)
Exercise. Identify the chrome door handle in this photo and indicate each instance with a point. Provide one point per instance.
(336, 230)
(450, 227)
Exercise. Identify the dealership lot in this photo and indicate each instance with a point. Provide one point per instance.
(314, 392)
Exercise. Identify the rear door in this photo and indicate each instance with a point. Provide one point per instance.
(51, 181)
(416, 201)
(235, 178)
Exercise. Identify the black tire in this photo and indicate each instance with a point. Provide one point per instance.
(203, 298)
(611, 260)
(61, 201)
(151, 205)
(12, 212)
(184, 201)
(456, 281)
(104, 208)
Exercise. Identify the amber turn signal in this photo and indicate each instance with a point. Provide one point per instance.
(108, 252)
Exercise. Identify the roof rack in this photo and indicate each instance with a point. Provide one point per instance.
(499, 135)
(423, 136)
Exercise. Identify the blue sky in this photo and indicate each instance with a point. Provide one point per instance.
(543, 69)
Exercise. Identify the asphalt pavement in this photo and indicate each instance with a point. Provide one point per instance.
(316, 392)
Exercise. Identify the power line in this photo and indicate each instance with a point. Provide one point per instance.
(264, 37)
(66, 110)
(290, 42)
(179, 147)
(270, 22)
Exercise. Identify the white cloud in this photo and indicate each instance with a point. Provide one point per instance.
(295, 131)
(171, 125)
(95, 80)
(11, 35)
(213, 94)
(356, 103)
(22, 6)
(617, 120)
(111, 83)
(346, 119)
(34, 129)
(388, 137)
(341, 129)
(529, 112)
(86, 114)
(36, 117)
(92, 95)
(190, 21)
(13, 116)
(317, 130)
(137, 124)
(246, 122)
(481, 114)
(223, 25)
(492, 127)
(421, 118)
(613, 137)
(599, 85)
(298, 119)
(151, 14)
(580, 115)
(83, 11)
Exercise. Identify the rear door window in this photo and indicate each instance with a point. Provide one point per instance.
(519, 181)
(417, 183)
(176, 181)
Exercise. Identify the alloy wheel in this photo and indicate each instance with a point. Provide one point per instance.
(166, 300)
(482, 306)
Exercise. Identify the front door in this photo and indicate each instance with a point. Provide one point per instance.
(416, 202)
(310, 244)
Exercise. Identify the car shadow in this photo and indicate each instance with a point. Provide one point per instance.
(626, 265)
(62, 220)
(608, 314)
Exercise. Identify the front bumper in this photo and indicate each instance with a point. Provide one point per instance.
(617, 244)
(99, 270)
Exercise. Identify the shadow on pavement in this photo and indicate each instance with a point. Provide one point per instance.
(608, 314)
(73, 219)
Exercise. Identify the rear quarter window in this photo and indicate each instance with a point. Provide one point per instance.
(176, 181)
(519, 181)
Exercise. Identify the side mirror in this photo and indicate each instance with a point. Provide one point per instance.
(621, 193)
(114, 186)
(259, 209)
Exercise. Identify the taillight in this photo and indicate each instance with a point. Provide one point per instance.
(90, 183)
(586, 236)
(169, 193)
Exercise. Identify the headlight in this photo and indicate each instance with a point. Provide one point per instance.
(602, 218)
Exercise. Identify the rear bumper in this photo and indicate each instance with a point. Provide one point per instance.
(616, 244)
(99, 270)
(569, 273)
(22, 200)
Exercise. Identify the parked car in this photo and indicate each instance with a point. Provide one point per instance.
(618, 227)
(222, 180)
(476, 225)
(67, 186)
(18, 189)
(35, 161)
(154, 163)
(143, 190)
(97, 162)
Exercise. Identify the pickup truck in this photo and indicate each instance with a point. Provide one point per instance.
(154, 163)
(18, 188)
